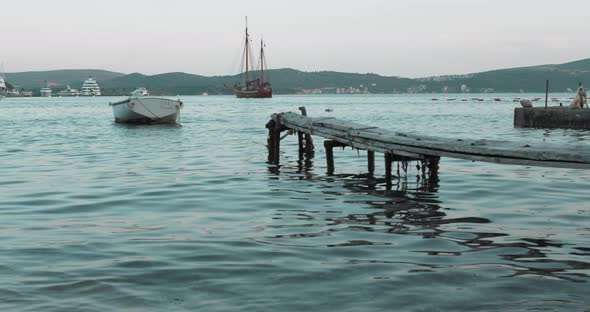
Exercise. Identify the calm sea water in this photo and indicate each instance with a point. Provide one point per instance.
(98, 216)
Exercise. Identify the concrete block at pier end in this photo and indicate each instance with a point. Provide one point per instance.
(551, 117)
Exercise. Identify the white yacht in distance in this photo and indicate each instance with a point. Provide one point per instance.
(45, 90)
(2, 87)
(90, 88)
(69, 92)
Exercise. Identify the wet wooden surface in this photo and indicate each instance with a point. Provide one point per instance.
(376, 139)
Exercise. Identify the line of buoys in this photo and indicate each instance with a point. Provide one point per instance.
(537, 99)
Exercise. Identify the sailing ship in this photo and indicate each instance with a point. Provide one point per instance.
(253, 85)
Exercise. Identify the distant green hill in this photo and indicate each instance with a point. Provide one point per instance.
(288, 81)
(169, 84)
(291, 81)
(284, 81)
(59, 78)
(528, 79)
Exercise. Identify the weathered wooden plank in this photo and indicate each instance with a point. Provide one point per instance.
(470, 146)
(384, 141)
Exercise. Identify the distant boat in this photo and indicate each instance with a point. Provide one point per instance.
(90, 88)
(45, 90)
(68, 92)
(3, 88)
(142, 108)
(140, 92)
(251, 88)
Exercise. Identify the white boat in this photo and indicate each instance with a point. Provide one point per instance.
(45, 91)
(90, 88)
(69, 92)
(140, 92)
(142, 108)
(2, 87)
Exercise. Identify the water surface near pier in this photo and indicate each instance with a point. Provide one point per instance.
(101, 216)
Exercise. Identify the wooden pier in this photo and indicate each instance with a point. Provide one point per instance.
(400, 147)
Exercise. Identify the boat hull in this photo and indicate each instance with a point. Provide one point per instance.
(261, 93)
(147, 110)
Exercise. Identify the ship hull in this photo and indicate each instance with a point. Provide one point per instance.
(262, 93)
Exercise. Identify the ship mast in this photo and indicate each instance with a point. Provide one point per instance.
(246, 50)
(261, 61)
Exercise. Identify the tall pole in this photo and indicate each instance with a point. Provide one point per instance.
(246, 50)
(261, 62)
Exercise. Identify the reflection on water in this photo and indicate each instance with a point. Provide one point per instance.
(413, 208)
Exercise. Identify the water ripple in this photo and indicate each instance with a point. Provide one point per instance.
(103, 216)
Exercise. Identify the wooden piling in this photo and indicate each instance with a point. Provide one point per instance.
(329, 145)
(388, 162)
(329, 156)
(277, 146)
(270, 142)
(371, 162)
(309, 148)
(274, 140)
(433, 165)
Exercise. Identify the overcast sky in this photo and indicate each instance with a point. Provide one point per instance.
(410, 38)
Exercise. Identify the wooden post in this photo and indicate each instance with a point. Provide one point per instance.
(371, 162)
(277, 145)
(274, 140)
(433, 165)
(329, 156)
(271, 140)
(309, 148)
(388, 161)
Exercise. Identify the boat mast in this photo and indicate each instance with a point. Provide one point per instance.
(246, 50)
(261, 61)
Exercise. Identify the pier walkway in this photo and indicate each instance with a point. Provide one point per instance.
(406, 147)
